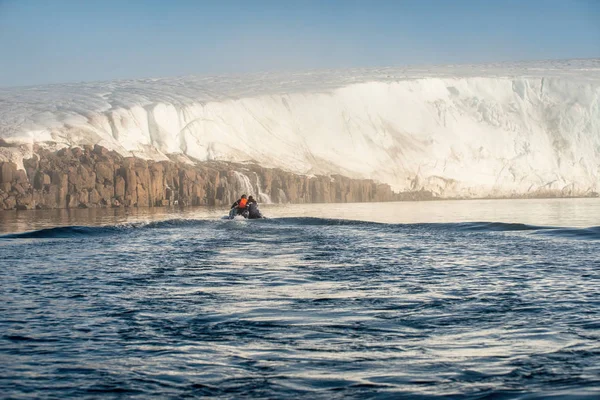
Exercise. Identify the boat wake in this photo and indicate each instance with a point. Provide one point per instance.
(62, 232)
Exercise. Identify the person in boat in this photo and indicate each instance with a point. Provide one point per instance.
(253, 211)
(239, 207)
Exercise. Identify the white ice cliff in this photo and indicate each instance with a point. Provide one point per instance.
(458, 131)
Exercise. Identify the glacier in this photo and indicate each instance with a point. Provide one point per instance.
(496, 130)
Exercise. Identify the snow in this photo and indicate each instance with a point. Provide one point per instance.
(457, 130)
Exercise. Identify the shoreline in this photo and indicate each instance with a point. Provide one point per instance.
(94, 177)
(211, 207)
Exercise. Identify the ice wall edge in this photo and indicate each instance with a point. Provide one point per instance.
(515, 133)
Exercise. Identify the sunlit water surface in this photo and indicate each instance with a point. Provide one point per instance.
(464, 299)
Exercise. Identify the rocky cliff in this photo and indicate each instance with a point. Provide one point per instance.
(504, 130)
(95, 177)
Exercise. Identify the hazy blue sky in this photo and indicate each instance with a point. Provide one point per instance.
(69, 40)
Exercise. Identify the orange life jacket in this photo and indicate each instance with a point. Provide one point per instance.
(242, 203)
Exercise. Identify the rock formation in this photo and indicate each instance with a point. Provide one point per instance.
(95, 177)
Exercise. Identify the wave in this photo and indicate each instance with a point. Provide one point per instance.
(315, 221)
(62, 232)
(65, 232)
(575, 233)
(497, 226)
(551, 231)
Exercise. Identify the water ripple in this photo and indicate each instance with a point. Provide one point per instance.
(300, 307)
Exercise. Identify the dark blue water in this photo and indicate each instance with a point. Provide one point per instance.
(300, 307)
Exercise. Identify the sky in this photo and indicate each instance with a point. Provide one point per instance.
(55, 41)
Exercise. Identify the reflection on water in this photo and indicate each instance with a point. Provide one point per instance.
(548, 212)
(21, 221)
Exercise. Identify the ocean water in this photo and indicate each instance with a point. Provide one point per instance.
(473, 299)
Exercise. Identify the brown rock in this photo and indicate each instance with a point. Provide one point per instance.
(157, 184)
(40, 180)
(31, 173)
(8, 171)
(143, 178)
(120, 187)
(72, 200)
(58, 178)
(94, 197)
(130, 187)
(31, 163)
(87, 159)
(61, 181)
(65, 153)
(101, 151)
(80, 178)
(25, 202)
(83, 197)
(88, 177)
(21, 176)
(18, 188)
(77, 152)
(104, 173)
(54, 198)
(10, 203)
(106, 193)
(142, 196)
(95, 177)
(75, 182)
